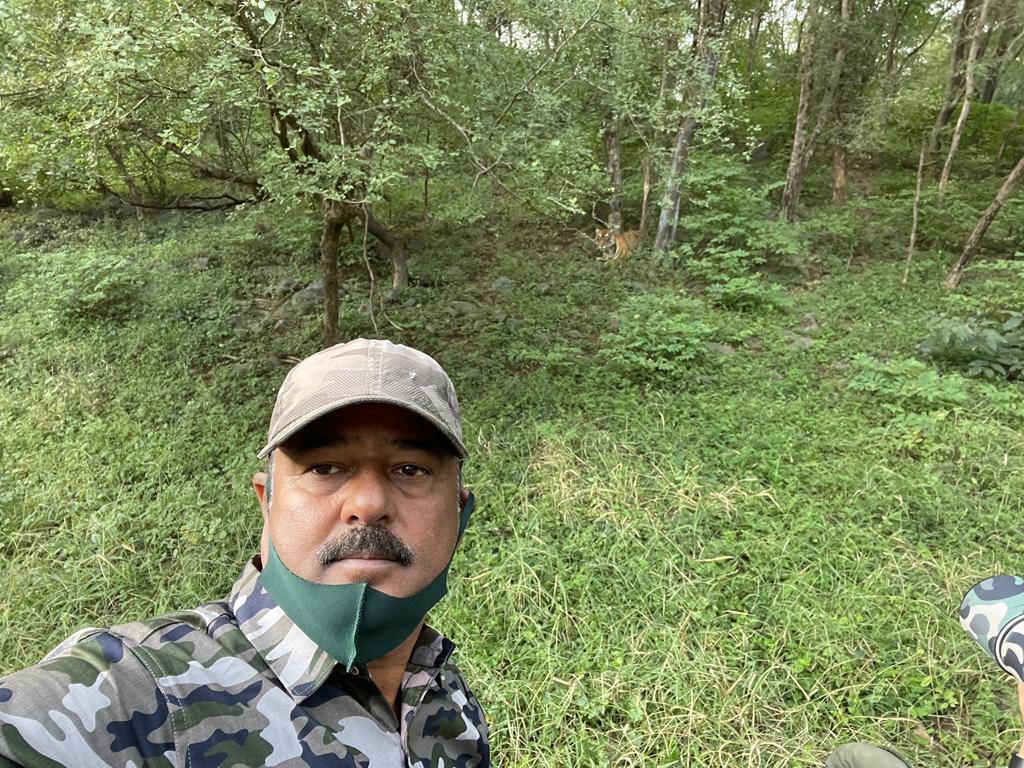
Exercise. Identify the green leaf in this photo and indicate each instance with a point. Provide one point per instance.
(269, 14)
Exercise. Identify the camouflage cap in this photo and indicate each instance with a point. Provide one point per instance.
(365, 371)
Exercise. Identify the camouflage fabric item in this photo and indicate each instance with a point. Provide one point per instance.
(992, 612)
(232, 683)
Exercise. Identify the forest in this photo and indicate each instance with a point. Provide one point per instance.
(732, 292)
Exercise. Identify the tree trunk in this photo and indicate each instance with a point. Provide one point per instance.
(127, 178)
(828, 97)
(668, 75)
(754, 33)
(335, 216)
(839, 174)
(965, 108)
(426, 184)
(645, 202)
(917, 213)
(1008, 132)
(669, 216)
(1008, 38)
(894, 36)
(613, 165)
(971, 246)
(804, 144)
(400, 277)
(795, 171)
(712, 16)
(956, 74)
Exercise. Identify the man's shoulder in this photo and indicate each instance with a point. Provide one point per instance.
(127, 648)
(154, 632)
(103, 692)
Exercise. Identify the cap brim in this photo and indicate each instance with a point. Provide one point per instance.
(308, 418)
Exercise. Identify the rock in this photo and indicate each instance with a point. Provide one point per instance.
(301, 303)
(721, 350)
(798, 342)
(453, 274)
(543, 289)
(809, 324)
(285, 287)
(47, 214)
(754, 343)
(462, 308)
(272, 362)
(201, 264)
(35, 234)
(502, 284)
(409, 303)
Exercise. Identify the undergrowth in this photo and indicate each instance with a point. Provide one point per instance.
(710, 533)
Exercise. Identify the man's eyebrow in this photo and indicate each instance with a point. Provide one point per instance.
(317, 441)
(435, 446)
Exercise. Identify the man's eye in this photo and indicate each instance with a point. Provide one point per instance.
(411, 470)
(323, 469)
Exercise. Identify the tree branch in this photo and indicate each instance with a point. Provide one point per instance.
(525, 86)
(205, 170)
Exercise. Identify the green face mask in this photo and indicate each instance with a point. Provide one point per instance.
(354, 623)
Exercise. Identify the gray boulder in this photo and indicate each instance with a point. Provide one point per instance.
(301, 303)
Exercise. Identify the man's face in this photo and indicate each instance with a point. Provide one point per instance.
(368, 493)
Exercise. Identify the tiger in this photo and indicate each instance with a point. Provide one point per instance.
(616, 245)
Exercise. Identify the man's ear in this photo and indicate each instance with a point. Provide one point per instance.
(259, 484)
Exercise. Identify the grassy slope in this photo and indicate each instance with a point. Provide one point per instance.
(742, 564)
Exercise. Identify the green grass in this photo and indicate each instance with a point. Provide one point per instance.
(745, 561)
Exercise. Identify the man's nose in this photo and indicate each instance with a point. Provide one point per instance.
(365, 499)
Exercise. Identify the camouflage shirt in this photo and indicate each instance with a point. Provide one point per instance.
(232, 683)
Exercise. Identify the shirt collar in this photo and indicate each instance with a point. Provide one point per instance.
(299, 663)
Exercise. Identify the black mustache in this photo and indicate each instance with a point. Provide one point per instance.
(371, 540)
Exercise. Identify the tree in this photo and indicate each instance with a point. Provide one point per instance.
(974, 241)
(965, 108)
(804, 143)
(954, 83)
(254, 101)
(706, 60)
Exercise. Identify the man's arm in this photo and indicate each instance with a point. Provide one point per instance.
(90, 703)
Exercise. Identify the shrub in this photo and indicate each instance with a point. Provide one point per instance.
(657, 334)
(728, 231)
(89, 284)
(984, 347)
(907, 384)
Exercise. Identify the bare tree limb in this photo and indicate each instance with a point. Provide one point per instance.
(205, 170)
